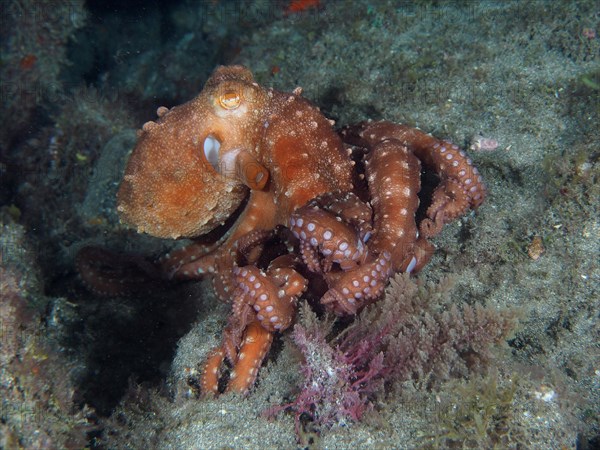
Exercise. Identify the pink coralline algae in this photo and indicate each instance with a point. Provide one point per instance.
(415, 333)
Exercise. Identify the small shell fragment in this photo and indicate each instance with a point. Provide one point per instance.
(536, 248)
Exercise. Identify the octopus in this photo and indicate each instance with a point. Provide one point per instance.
(278, 203)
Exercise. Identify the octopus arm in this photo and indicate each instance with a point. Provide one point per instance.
(393, 174)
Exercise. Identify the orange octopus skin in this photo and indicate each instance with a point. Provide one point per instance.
(193, 168)
(394, 184)
(318, 230)
(272, 295)
(250, 159)
(253, 349)
(255, 346)
(352, 290)
(278, 145)
(461, 187)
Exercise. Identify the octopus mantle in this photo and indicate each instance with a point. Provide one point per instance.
(277, 199)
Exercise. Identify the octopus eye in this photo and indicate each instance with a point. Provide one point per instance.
(230, 100)
(211, 151)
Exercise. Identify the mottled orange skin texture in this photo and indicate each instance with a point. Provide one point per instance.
(281, 156)
(170, 190)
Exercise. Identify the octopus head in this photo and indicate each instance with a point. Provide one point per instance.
(191, 169)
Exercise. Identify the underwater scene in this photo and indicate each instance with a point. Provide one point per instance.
(300, 224)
